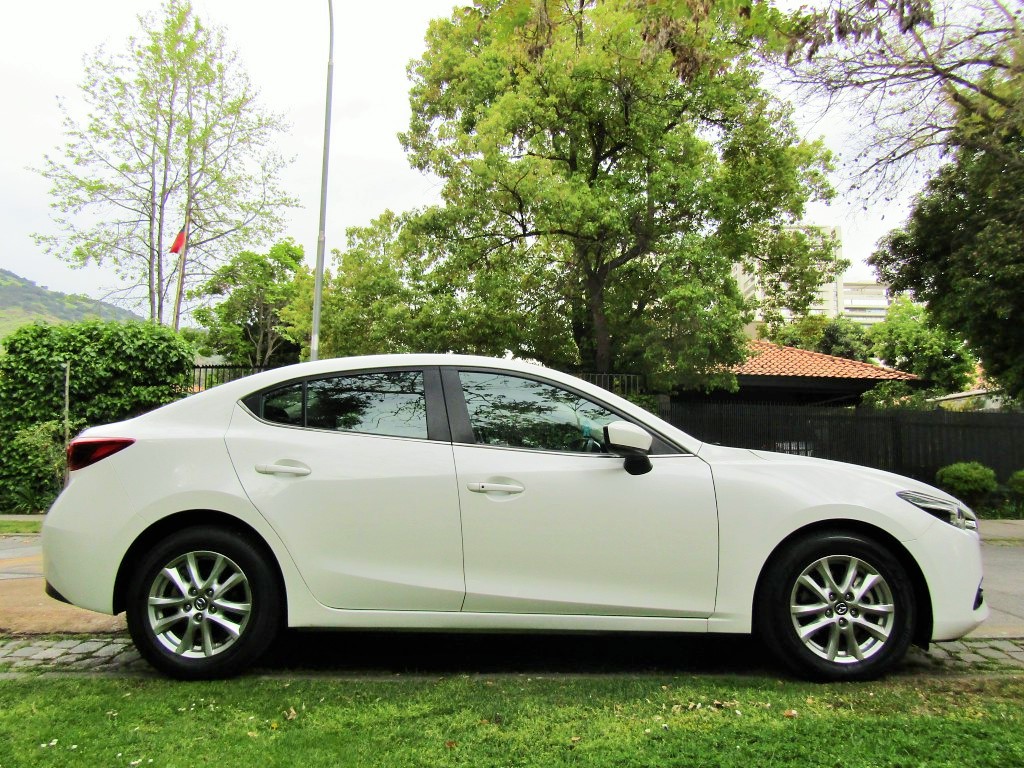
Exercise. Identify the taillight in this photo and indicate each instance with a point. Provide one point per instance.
(88, 450)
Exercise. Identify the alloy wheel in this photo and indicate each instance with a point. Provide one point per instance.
(199, 604)
(842, 609)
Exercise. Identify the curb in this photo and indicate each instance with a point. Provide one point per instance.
(31, 656)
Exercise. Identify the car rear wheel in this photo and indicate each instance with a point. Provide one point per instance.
(837, 606)
(203, 603)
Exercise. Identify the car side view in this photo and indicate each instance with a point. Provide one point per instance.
(415, 492)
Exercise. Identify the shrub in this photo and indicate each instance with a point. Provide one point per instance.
(648, 402)
(33, 468)
(118, 370)
(897, 394)
(1016, 483)
(967, 480)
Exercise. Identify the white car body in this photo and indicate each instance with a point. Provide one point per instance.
(410, 533)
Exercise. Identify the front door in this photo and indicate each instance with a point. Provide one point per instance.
(553, 525)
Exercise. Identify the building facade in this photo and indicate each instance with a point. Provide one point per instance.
(865, 303)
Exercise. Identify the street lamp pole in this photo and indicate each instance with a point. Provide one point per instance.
(318, 283)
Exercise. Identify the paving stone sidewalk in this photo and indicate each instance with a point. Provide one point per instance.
(116, 655)
(74, 654)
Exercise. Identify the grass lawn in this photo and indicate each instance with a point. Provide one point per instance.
(512, 720)
(20, 526)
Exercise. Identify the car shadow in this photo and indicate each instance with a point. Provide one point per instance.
(392, 653)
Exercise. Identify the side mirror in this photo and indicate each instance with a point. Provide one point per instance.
(632, 443)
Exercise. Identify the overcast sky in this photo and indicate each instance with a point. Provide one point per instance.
(283, 46)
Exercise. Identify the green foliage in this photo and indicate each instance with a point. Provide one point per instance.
(970, 481)
(838, 336)
(246, 326)
(909, 341)
(962, 252)
(897, 394)
(648, 402)
(844, 338)
(23, 302)
(174, 137)
(33, 467)
(117, 370)
(1015, 483)
(802, 333)
(605, 165)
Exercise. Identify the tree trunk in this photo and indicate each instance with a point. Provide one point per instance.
(602, 338)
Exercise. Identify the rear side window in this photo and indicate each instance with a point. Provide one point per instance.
(389, 403)
(284, 406)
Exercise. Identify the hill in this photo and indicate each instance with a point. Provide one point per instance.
(23, 302)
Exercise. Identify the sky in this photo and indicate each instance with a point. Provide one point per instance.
(284, 49)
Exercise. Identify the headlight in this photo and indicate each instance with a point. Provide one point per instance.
(947, 511)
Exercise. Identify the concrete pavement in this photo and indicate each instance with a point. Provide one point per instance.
(24, 606)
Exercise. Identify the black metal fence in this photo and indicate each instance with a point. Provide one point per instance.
(207, 376)
(620, 383)
(913, 443)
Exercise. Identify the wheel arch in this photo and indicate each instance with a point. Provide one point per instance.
(180, 521)
(922, 595)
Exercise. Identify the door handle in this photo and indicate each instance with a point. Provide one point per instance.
(282, 469)
(495, 488)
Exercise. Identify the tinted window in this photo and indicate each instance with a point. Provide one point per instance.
(522, 413)
(284, 406)
(392, 403)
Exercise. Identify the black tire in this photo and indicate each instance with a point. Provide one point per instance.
(203, 603)
(823, 633)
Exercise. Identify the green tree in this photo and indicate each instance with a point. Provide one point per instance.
(246, 325)
(803, 332)
(174, 137)
(962, 253)
(838, 336)
(605, 165)
(909, 341)
(844, 338)
(382, 297)
(393, 291)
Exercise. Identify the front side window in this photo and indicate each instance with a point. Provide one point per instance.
(515, 412)
(389, 403)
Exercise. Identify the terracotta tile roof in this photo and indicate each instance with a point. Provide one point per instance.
(769, 359)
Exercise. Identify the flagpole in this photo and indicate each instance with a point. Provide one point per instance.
(318, 282)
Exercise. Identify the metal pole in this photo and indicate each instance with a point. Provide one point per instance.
(318, 283)
(67, 402)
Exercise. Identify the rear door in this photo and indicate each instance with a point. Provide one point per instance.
(355, 472)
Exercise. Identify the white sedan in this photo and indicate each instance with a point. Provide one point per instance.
(465, 493)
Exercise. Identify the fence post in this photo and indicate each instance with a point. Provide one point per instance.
(67, 402)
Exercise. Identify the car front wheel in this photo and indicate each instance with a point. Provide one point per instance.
(837, 606)
(203, 603)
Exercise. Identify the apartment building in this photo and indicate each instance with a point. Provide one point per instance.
(865, 303)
